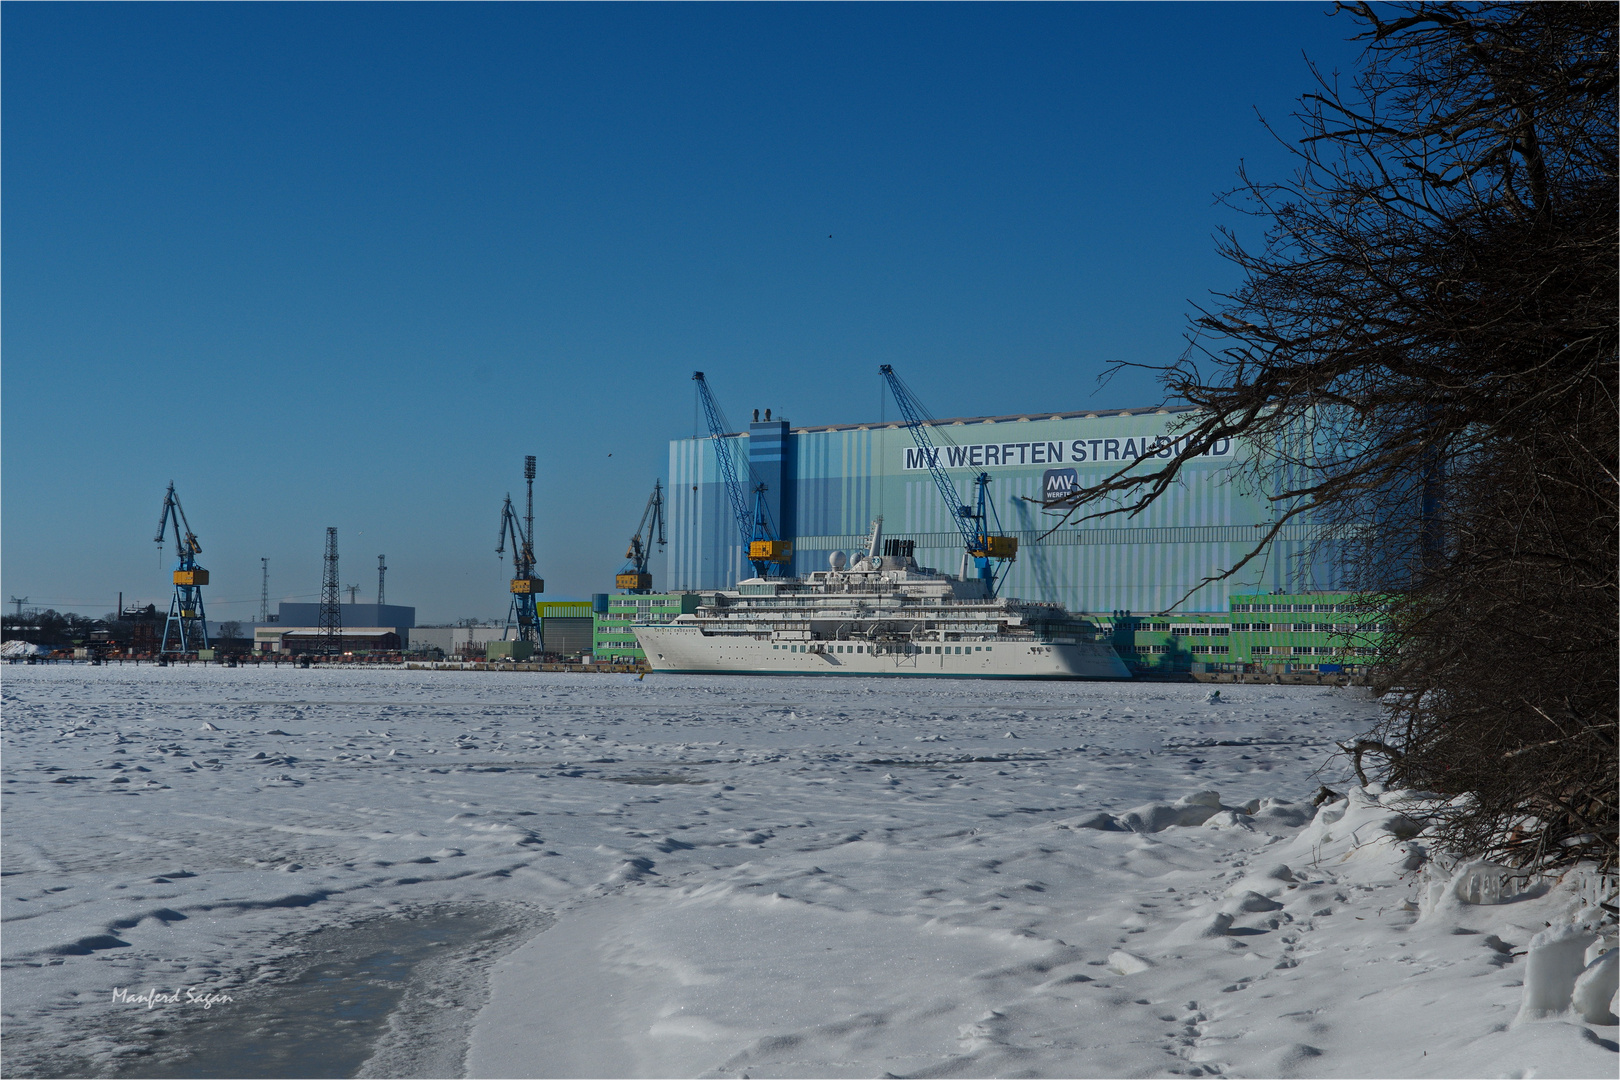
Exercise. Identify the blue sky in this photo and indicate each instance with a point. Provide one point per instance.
(346, 264)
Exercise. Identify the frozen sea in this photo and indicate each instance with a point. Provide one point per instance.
(282, 872)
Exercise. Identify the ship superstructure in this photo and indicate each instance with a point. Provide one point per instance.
(879, 613)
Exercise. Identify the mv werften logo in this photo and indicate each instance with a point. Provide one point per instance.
(1058, 484)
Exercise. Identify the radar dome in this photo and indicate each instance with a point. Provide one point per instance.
(837, 560)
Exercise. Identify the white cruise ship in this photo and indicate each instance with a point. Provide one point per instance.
(879, 614)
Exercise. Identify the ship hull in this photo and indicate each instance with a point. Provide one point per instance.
(686, 650)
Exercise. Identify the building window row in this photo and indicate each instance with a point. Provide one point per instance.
(1205, 649)
(1311, 628)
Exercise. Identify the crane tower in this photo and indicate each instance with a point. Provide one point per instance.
(187, 627)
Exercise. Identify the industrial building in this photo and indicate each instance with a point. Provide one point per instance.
(565, 629)
(451, 640)
(366, 628)
(825, 484)
(398, 619)
(617, 616)
(1276, 632)
(312, 639)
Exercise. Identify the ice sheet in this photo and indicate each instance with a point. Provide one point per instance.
(752, 875)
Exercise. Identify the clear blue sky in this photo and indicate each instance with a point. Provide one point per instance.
(346, 264)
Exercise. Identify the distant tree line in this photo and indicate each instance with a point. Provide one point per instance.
(54, 629)
(1423, 351)
(51, 628)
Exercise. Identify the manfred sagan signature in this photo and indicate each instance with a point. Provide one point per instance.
(154, 997)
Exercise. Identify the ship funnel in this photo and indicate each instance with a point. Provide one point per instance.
(875, 542)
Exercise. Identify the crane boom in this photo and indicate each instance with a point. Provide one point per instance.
(184, 539)
(635, 577)
(760, 544)
(728, 465)
(972, 522)
(916, 421)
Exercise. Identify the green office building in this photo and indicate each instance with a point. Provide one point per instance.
(614, 638)
(1261, 632)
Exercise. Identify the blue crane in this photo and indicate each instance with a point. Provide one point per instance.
(522, 615)
(765, 551)
(187, 626)
(984, 547)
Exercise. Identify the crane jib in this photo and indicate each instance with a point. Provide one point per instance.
(971, 522)
(759, 540)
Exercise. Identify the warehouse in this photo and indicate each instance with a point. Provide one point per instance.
(824, 485)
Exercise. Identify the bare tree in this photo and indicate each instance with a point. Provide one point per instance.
(1421, 362)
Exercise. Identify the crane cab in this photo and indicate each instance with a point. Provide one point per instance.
(776, 551)
(195, 576)
(633, 582)
(995, 547)
(528, 586)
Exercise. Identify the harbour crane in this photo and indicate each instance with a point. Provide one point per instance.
(522, 615)
(765, 552)
(187, 627)
(989, 550)
(635, 577)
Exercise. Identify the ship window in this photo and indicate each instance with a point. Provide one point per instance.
(860, 648)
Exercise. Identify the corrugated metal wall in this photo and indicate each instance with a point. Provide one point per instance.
(841, 479)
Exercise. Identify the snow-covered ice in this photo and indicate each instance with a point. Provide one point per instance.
(754, 876)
